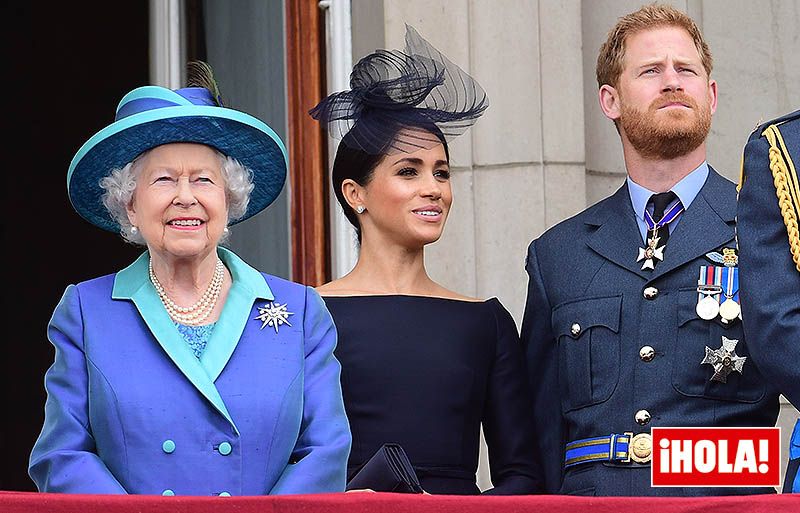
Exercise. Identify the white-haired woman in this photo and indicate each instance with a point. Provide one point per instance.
(188, 372)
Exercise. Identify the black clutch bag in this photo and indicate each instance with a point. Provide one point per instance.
(388, 470)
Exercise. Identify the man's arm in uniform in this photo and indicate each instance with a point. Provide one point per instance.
(769, 245)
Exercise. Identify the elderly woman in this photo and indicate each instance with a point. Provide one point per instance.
(422, 366)
(188, 372)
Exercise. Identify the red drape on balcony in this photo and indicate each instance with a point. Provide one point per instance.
(366, 502)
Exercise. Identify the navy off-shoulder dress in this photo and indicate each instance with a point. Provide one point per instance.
(426, 372)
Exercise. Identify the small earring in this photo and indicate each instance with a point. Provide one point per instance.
(360, 209)
(134, 230)
(225, 230)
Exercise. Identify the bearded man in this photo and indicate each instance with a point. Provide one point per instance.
(632, 316)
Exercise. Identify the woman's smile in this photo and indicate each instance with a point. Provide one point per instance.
(429, 213)
(186, 223)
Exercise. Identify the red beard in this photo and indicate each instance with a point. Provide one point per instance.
(668, 134)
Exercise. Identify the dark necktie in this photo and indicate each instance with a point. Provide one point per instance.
(660, 202)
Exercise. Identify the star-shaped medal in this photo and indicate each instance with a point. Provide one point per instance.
(651, 253)
(273, 314)
(724, 360)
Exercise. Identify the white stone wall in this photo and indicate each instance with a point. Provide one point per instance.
(543, 151)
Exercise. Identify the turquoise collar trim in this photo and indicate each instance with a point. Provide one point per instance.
(133, 283)
(248, 286)
(245, 276)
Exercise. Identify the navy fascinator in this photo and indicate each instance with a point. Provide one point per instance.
(394, 93)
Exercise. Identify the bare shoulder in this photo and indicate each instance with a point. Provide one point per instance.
(450, 294)
(340, 287)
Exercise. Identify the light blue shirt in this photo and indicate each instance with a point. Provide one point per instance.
(686, 190)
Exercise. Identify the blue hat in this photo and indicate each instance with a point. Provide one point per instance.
(151, 116)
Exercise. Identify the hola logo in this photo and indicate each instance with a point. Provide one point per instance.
(716, 456)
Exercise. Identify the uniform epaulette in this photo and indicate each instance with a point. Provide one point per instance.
(759, 132)
(792, 116)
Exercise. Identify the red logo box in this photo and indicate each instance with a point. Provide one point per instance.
(716, 456)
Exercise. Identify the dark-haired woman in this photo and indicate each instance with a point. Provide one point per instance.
(422, 366)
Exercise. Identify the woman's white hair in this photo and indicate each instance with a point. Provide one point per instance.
(120, 184)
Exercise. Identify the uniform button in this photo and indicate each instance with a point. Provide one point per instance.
(168, 446)
(647, 353)
(575, 329)
(167, 493)
(225, 448)
(224, 494)
(650, 293)
(642, 417)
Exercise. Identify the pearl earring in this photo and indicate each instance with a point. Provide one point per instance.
(225, 230)
(134, 230)
(360, 209)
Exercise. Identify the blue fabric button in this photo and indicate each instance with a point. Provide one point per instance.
(168, 446)
(167, 493)
(224, 494)
(225, 448)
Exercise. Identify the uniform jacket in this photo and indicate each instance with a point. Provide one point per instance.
(770, 278)
(591, 309)
(770, 281)
(130, 409)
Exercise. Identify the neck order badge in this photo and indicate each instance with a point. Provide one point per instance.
(657, 238)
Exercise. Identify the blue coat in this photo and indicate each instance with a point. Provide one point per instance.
(590, 312)
(770, 278)
(130, 409)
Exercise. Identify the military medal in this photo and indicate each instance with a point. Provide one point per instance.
(652, 252)
(708, 292)
(707, 308)
(724, 360)
(730, 309)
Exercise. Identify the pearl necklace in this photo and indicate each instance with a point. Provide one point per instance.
(195, 314)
